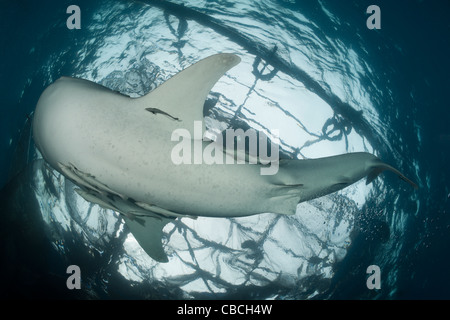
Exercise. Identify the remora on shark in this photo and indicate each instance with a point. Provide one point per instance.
(117, 150)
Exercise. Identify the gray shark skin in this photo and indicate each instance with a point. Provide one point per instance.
(117, 150)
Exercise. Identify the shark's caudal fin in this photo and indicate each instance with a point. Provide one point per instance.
(182, 97)
(302, 180)
(148, 233)
(379, 168)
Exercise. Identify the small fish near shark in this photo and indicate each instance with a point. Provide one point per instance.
(117, 150)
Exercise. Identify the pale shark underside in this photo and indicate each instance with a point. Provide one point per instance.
(117, 150)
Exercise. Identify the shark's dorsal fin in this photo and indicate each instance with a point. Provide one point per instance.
(182, 97)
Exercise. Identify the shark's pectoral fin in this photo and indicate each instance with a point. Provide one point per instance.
(379, 168)
(182, 97)
(148, 232)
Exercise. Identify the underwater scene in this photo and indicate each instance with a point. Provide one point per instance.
(118, 180)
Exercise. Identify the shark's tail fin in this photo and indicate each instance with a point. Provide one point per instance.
(380, 167)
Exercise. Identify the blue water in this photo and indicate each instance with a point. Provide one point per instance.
(389, 86)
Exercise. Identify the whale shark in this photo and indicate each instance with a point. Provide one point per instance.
(117, 150)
